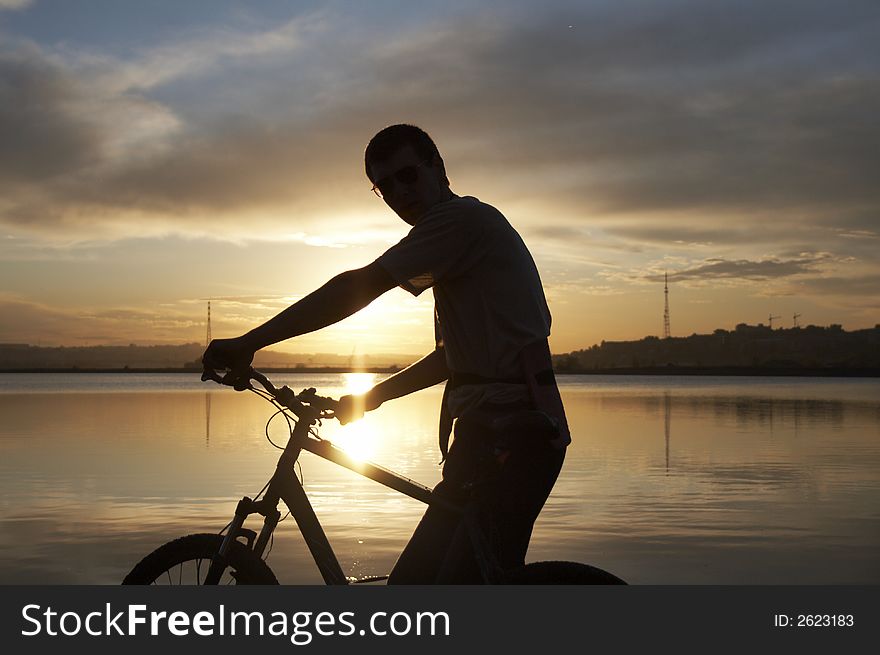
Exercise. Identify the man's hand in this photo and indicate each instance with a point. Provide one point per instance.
(352, 408)
(233, 354)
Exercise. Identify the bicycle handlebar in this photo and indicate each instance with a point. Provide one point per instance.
(307, 404)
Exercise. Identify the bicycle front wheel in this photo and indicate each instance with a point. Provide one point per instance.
(186, 561)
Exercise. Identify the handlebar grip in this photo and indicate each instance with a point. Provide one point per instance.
(295, 402)
(230, 378)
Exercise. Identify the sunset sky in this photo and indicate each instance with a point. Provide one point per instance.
(157, 154)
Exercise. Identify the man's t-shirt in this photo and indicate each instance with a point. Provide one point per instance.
(488, 295)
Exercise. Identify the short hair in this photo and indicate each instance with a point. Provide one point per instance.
(394, 137)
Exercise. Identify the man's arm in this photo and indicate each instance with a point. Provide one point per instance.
(339, 298)
(426, 372)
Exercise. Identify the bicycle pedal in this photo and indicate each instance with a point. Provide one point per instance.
(366, 578)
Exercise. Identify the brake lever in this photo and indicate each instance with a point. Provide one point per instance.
(326, 406)
(211, 374)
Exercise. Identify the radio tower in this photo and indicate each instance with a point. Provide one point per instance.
(208, 335)
(666, 333)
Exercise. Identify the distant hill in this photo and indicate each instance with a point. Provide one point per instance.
(751, 346)
(747, 346)
(23, 356)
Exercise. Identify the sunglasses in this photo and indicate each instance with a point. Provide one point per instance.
(406, 175)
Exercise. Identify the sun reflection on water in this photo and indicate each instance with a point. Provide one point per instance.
(358, 382)
(359, 439)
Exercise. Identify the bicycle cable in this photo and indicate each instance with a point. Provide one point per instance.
(291, 424)
(269, 422)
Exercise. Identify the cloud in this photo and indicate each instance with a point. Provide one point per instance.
(765, 231)
(86, 162)
(13, 5)
(42, 134)
(59, 131)
(198, 53)
(683, 233)
(743, 269)
(25, 318)
(739, 111)
(857, 285)
(795, 269)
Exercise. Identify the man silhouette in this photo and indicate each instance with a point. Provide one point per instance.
(491, 329)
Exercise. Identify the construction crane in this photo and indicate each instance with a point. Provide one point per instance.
(770, 318)
(796, 317)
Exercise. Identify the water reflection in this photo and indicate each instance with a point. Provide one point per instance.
(207, 419)
(667, 424)
(356, 383)
(359, 439)
(91, 480)
(748, 410)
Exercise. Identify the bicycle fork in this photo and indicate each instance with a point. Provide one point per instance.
(283, 486)
(244, 509)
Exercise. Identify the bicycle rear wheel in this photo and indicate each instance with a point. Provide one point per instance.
(186, 561)
(558, 573)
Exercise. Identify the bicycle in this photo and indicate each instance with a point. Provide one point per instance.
(237, 557)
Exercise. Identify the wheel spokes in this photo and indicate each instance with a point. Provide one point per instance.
(167, 578)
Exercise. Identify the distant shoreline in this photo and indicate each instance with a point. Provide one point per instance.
(667, 370)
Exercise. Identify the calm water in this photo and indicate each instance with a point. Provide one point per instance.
(669, 480)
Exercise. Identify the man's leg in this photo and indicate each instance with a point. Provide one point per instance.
(523, 486)
(423, 555)
(509, 488)
(441, 529)
(508, 495)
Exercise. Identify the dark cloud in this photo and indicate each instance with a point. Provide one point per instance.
(249, 167)
(742, 108)
(244, 166)
(41, 136)
(744, 269)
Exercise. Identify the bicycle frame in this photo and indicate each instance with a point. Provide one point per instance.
(285, 486)
(245, 559)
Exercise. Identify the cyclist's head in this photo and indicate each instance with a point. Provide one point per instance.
(396, 137)
(407, 171)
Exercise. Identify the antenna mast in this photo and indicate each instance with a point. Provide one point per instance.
(208, 334)
(666, 332)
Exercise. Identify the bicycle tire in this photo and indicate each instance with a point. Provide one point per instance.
(166, 563)
(561, 573)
